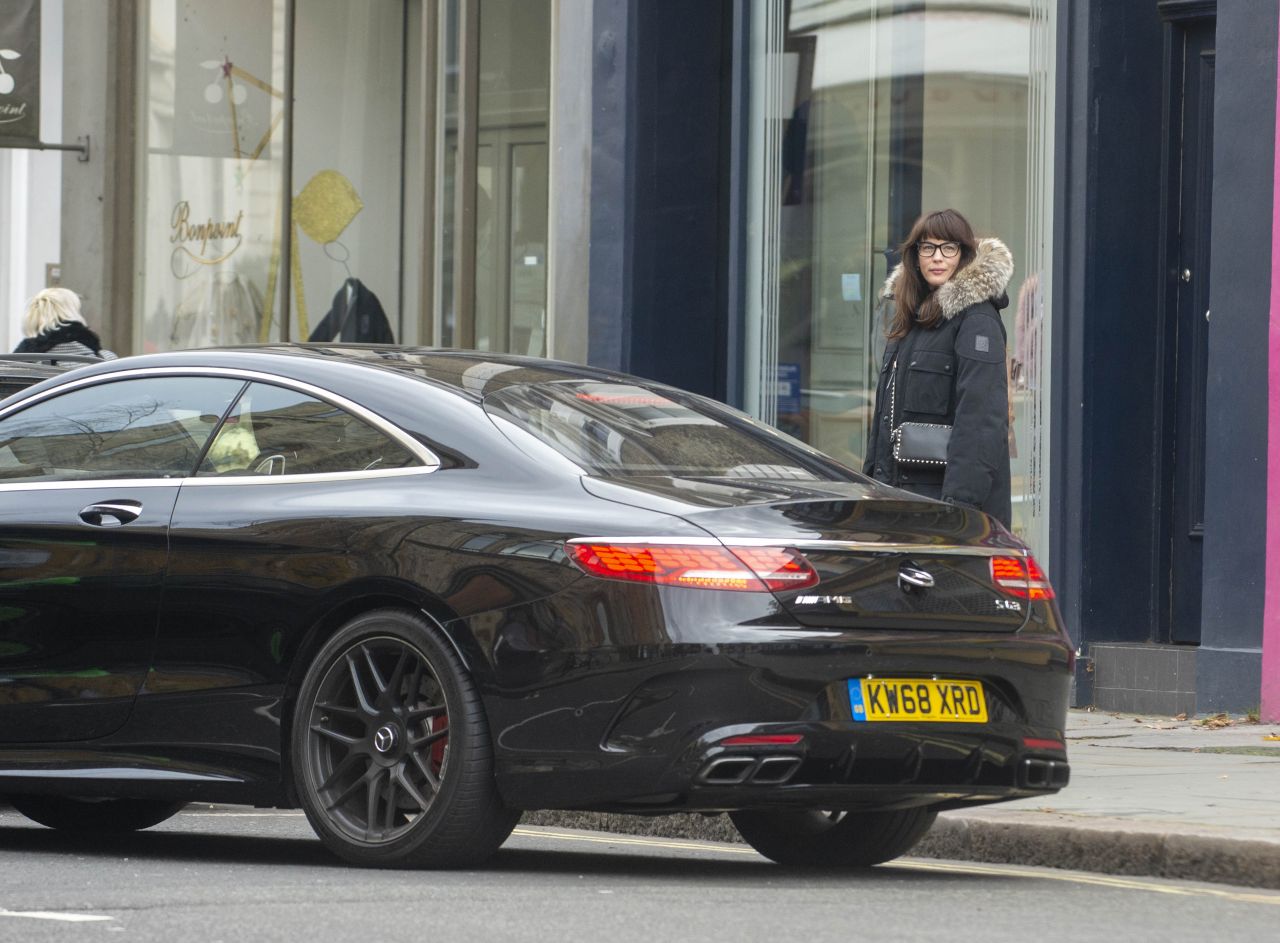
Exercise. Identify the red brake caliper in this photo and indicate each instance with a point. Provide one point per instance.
(437, 748)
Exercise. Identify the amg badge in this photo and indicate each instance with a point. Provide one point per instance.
(824, 600)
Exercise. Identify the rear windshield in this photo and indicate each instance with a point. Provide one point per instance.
(617, 429)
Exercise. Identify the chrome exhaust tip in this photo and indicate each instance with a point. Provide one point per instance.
(756, 770)
(775, 770)
(1045, 774)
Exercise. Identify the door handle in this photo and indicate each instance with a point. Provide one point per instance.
(111, 513)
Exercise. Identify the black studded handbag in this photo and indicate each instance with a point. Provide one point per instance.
(916, 443)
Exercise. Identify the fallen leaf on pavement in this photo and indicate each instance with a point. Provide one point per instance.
(1182, 716)
(1216, 721)
(1271, 736)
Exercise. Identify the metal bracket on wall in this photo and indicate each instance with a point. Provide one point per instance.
(82, 147)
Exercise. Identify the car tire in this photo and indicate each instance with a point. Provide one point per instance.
(391, 753)
(818, 839)
(95, 815)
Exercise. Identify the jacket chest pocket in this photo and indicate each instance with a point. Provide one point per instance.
(929, 378)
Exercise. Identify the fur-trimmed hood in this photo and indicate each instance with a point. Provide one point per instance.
(983, 279)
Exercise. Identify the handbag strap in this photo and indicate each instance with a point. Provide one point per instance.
(893, 399)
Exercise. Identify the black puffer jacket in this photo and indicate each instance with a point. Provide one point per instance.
(953, 374)
(69, 337)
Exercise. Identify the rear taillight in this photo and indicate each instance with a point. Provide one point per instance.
(1021, 577)
(699, 566)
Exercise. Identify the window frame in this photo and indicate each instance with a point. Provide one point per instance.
(247, 393)
(430, 461)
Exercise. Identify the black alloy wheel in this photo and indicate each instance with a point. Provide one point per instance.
(391, 751)
(72, 814)
(823, 839)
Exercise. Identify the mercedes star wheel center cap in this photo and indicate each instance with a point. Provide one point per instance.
(385, 739)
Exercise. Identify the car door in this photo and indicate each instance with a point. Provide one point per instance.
(89, 475)
(290, 502)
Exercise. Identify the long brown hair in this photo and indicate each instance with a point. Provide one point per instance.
(914, 301)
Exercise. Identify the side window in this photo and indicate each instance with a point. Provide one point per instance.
(277, 431)
(152, 427)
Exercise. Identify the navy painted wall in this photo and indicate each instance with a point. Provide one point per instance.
(613, 87)
(1228, 665)
(1105, 318)
(658, 197)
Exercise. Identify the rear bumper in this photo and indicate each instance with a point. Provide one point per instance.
(833, 767)
(659, 747)
(850, 766)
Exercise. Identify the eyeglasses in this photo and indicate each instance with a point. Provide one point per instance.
(949, 250)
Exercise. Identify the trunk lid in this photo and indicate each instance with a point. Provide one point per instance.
(886, 560)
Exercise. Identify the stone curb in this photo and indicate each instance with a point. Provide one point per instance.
(1108, 846)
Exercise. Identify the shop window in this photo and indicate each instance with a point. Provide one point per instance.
(250, 206)
(858, 123)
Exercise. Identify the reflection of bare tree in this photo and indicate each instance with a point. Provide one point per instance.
(143, 435)
(113, 420)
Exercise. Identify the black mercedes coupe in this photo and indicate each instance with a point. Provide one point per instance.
(417, 591)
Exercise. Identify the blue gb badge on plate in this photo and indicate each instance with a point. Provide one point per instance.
(855, 700)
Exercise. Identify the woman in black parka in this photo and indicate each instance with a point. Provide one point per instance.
(945, 362)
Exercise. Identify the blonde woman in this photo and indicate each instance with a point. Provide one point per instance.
(53, 324)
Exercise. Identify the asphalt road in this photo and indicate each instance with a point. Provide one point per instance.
(216, 875)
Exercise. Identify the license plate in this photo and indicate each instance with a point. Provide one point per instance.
(917, 699)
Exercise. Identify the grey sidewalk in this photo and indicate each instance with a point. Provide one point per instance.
(1148, 795)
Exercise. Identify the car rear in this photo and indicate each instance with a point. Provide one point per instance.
(829, 643)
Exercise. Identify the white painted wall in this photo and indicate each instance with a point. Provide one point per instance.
(31, 191)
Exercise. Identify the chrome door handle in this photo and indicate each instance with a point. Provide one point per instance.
(111, 513)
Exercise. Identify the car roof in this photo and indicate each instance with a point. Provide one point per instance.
(471, 373)
(19, 371)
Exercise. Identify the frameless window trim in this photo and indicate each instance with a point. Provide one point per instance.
(98, 483)
(430, 461)
(193, 481)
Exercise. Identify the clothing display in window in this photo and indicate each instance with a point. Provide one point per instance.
(222, 308)
(356, 315)
(1025, 362)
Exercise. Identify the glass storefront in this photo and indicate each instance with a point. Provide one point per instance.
(361, 167)
(380, 171)
(864, 114)
(494, 239)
